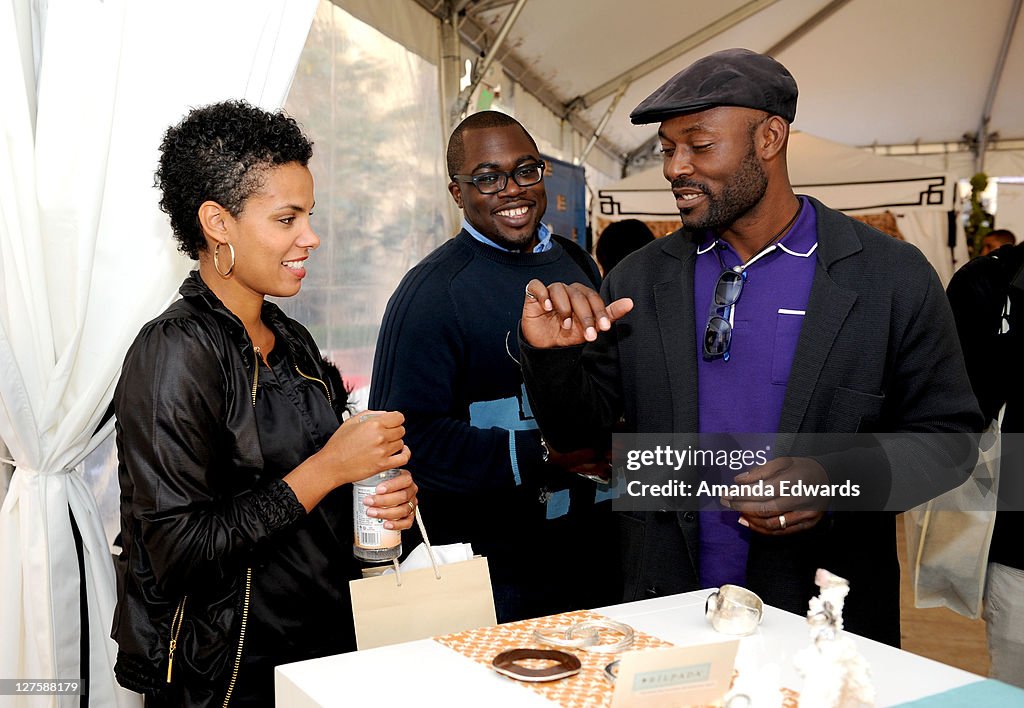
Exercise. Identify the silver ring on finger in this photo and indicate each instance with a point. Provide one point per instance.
(529, 294)
(782, 522)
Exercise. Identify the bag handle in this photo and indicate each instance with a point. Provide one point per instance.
(430, 550)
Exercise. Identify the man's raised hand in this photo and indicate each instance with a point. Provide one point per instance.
(560, 315)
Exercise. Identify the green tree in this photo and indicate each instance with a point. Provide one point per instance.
(979, 222)
(372, 108)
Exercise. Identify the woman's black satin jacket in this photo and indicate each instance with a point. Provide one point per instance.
(194, 504)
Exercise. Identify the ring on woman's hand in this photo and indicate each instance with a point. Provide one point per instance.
(412, 507)
(529, 294)
(782, 522)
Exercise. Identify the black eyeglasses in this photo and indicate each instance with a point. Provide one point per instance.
(718, 334)
(494, 182)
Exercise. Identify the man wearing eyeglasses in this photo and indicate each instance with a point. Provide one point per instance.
(767, 313)
(447, 358)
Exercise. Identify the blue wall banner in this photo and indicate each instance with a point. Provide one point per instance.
(567, 199)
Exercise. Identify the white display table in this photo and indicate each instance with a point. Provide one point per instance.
(426, 673)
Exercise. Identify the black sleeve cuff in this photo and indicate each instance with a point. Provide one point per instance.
(277, 506)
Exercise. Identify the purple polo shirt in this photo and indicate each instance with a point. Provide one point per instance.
(745, 393)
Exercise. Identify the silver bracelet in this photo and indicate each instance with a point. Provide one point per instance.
(567, 641)
(624, 629)
(586, 635)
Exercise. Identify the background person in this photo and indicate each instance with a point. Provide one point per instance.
(827, 326)
(618, 240)
(447, 358)
(996, 239)
(235, 510)
(987, 297)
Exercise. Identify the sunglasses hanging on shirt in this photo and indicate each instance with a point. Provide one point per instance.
(728, 288)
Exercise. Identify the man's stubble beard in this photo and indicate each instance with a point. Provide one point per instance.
(740, 194)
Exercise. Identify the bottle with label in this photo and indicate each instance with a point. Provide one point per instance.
(372, 541)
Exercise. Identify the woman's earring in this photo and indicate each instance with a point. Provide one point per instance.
(216, 260)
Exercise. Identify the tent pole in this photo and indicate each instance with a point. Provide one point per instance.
(816, 19)
(641, 156)
(478, 73)
(600, 126)
(450, 71)
(993, 86)
(450, 65)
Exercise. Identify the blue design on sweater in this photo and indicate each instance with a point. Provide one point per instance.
(442, 360)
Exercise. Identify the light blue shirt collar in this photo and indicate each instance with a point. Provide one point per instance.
(543, 238)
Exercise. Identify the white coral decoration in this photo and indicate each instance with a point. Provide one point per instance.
(835, 674)
(756, 687)
(825, 616)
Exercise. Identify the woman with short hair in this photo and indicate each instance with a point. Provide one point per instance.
(235, 475)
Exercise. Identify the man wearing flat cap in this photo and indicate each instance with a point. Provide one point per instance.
(767, 313)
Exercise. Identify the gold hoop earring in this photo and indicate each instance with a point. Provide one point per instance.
(216, 260)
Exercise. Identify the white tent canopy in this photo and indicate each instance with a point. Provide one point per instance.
(79, 225)
(854, 181)
(870, 72)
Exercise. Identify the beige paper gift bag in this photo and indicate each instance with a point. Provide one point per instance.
(948, 537)
(416, 604)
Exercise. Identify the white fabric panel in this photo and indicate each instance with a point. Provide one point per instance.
(1004, 163)
(927, 193)
(20, 258)
(617, 202)
(998, 163)
(1010, 208)
(6, 470)
(857, 181)
(958, 164)
(922, 228)
(22, 26)
(100, 471)
(403, 21)
(544, 126)
(85, 259)
(599, 162)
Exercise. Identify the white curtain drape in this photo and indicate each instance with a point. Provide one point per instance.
(924, 229)
(1010, 208)
(86, 258)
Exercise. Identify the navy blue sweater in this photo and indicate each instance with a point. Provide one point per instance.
(447, 358)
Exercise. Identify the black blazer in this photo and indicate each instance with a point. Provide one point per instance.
(877, 350)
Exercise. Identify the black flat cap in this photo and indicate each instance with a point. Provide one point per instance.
(731, 77)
